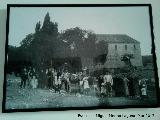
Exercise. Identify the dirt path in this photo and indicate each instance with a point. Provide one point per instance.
(23, 98)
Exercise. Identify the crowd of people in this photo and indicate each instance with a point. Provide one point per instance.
(53, 79)
(58, 80)
(49, 78)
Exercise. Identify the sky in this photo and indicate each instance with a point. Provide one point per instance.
(132, 21)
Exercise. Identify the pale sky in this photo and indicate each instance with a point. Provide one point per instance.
(133, 21)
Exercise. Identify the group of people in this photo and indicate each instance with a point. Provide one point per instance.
(28, 78)
(105, 84)
(53, 79)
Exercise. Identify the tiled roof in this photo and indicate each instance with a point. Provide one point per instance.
(115, 38)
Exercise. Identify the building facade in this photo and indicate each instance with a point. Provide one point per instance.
(118, 46)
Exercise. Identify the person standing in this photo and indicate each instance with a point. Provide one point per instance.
(67, 81)
(55, 82)
(81, 83)
(143, 88)
(29, 77)
(100, 81)
(34, 82)
(108, 82)
(41, 79)
(31, 73)
(49, 77)
(24, 77)
(59, 82)
(126, 82)
(86, 85)
(103, 90)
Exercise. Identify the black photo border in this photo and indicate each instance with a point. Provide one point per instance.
(4, 110)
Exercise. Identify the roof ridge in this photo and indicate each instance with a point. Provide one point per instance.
(116, 38)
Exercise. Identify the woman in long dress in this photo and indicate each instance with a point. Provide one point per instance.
(86, 85)
(57, 83)
(34, 82)
(126, 82)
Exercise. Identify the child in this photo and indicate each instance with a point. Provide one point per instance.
(86, 85)
(34, 82)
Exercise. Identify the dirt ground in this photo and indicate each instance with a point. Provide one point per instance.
(27, 98)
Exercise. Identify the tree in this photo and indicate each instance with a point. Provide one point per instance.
(46, 23)
(26, 42)
(46, 44)
(41, 45)
(38, 27)
(81, 42)
(49, 27)
(17, 57)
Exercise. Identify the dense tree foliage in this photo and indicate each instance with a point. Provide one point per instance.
(148, 59)
(40, 45)
(46, 44)
(82, 43)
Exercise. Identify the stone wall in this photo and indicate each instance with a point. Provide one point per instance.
(117, 50)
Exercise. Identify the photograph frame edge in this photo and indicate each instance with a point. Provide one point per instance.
(4, 110)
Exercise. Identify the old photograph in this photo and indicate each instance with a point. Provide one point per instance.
(79, 57)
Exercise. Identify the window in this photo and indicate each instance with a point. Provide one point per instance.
(125, 47)
(115, 47)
